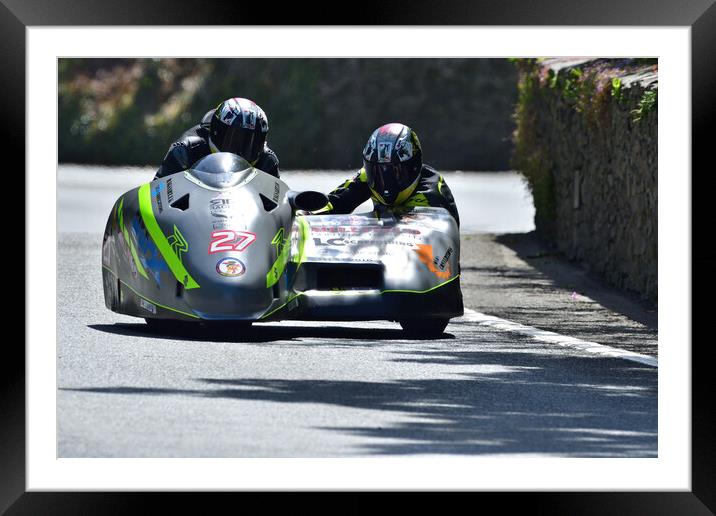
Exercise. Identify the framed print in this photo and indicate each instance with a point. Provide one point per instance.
(528, 396)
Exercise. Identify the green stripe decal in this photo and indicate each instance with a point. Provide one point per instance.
(279, 265)
(304, 230)
(326, 208)
(173, 261)
(423, 291)
(264, 316)
(135, 256)
(150, 300)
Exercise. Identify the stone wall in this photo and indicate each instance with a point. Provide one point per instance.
(586, 140)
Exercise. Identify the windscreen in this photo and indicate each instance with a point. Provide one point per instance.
(221, 170)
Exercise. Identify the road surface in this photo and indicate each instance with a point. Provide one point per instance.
(496, 383)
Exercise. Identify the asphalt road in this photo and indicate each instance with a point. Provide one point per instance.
(299, 389)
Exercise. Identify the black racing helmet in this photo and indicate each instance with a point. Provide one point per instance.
(240, 126)
(393, 160)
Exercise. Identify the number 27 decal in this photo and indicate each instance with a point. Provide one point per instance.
(227, 240)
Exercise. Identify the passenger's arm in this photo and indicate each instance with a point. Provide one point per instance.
(347, 197)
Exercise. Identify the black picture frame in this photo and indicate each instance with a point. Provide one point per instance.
(699, 15)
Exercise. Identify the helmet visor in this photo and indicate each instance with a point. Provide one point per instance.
(246, 143)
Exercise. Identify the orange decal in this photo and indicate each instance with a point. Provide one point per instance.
(425, 253)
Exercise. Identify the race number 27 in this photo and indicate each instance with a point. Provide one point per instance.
(228, 240)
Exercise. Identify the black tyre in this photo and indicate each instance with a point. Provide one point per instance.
(228, 327)
(424, 328)
(111, 291)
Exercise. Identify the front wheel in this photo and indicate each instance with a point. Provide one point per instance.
(424, 328)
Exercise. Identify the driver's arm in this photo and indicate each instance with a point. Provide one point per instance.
(182, 155)
(268, 162)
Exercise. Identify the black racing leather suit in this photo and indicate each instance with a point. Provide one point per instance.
(432, 190)
(194, 145)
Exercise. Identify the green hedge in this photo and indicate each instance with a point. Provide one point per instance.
(321, 111)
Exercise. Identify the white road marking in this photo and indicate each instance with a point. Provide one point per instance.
(554, 338)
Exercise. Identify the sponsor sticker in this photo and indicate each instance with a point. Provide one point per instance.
(444, 260)
(231, 267)
(263, 121)
(220, 207)
(221, 224)
(425, 255)
(384, 151)
(404, 148)
(249, 120)
(276, 190)
(370, 147)
(158, 197)
(228, 112)
(170, 191)
(149, 307)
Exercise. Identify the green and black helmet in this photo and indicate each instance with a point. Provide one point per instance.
(393, 160)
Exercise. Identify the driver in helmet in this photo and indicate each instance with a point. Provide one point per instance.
(393, 175)
(237, 125)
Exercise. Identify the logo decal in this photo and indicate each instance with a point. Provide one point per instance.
(279, 242)
(230, 267)
(404, 148)
(157, 195)
(220, 207)
(178, 243)
(384, 151)
(249, 118)
(170, 191)
(370, 146)
(425, 254)
(442, 262)
(276, 191)
(149, 307)
(228, 112)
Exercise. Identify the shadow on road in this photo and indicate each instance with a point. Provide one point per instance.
(519, 403)
(549, 263)
(520, 278)
(265, 333)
